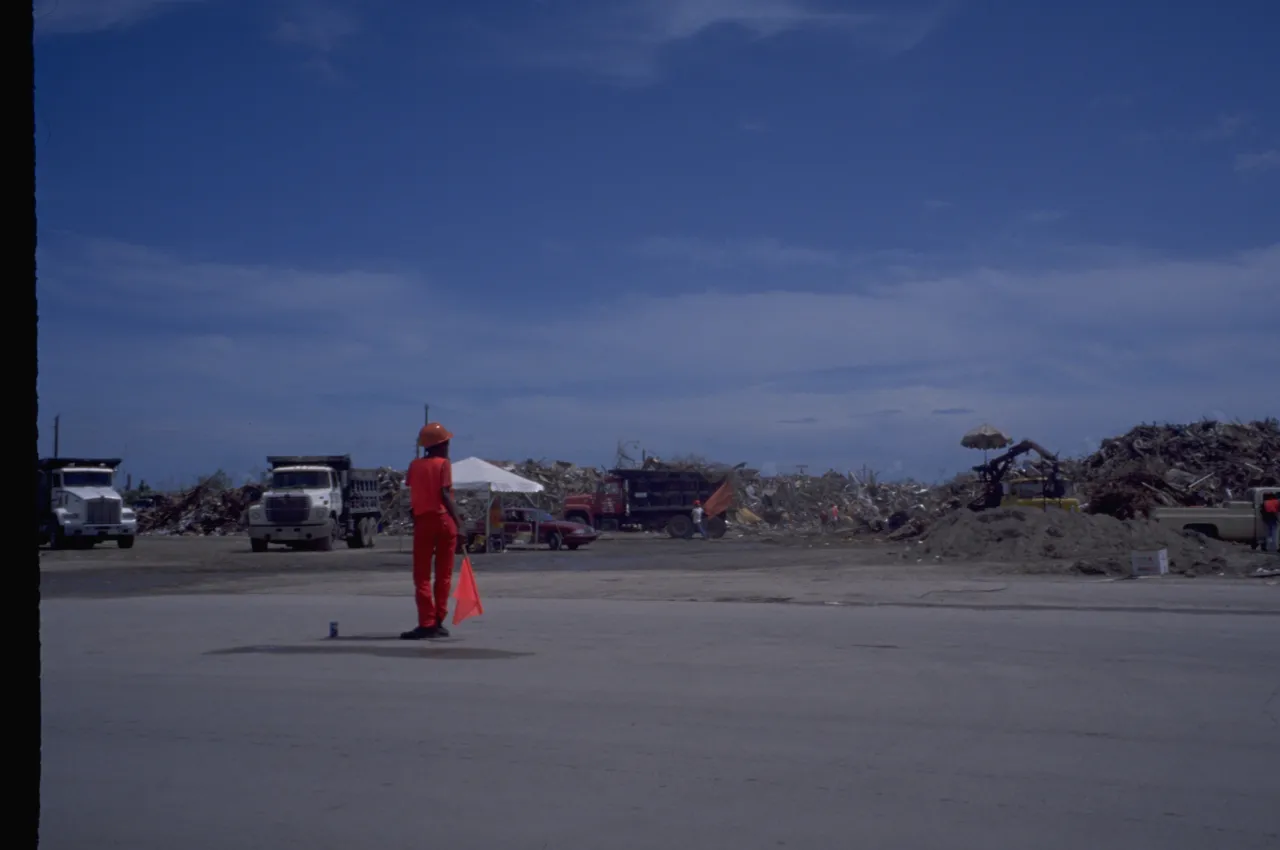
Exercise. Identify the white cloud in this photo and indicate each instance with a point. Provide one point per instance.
(85, 16)
(1257, 162)
(627, 39)
(238, 358)
(316, 27)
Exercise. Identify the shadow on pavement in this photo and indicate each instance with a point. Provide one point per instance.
(422, 650)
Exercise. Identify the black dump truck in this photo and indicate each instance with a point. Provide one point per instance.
(313, 501)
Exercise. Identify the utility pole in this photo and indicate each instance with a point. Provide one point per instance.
(426, 417)
(57, 426)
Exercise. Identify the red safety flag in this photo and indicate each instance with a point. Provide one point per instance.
(467, 595)
(719, 501)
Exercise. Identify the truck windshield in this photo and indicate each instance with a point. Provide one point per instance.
(297, 479)
(86, 479)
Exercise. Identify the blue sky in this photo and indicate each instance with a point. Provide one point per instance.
(787, 232)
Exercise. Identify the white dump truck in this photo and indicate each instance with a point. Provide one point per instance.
(313, 501)
(77, 504)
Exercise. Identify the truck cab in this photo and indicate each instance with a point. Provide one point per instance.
(77, 504)
(315, 501)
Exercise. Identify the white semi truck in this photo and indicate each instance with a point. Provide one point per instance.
(77, 504)
(313, 501)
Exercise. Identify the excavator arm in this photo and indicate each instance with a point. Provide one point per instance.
(991, 475)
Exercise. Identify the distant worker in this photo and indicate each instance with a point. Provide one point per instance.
(699, 521)
(497, 525)
(436, 525)
(835, 514)
(1271, 522)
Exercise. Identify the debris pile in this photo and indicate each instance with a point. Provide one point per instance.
(1205, 463)
(201, 510)
(1082, 542)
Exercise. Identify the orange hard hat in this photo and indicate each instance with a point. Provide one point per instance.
(433, 434)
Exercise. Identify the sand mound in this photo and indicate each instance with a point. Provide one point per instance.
(1085, 542)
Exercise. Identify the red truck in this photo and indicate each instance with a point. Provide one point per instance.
(651, 499)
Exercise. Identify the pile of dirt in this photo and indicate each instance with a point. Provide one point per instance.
(1094, 544)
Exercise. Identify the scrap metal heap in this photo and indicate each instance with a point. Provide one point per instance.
(1201, 463)
(1204, 463)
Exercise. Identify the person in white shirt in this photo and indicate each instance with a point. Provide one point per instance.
(699, 522)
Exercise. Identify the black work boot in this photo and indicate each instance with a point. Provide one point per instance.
(441, 631)
(419, 633)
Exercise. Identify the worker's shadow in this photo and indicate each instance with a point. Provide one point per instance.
(379, 646)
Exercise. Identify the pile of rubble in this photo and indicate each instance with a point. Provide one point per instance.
(1078, 542)
(203, 509)
(1200, 464)
(1205, 463)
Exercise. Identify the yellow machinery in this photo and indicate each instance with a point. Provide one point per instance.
(1030, 493)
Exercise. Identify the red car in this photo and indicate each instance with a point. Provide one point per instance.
(520, 523)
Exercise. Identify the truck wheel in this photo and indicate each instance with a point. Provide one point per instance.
(553, 540)
(356, 540)
(680, 526)
(716, 527)
(257, 544)
(330, 540)
(125, 542)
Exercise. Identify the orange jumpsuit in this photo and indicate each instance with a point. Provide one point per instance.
(435, 537)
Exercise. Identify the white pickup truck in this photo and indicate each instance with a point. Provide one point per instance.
(1238, 521)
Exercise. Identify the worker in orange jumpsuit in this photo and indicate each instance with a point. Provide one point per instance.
(436, 524)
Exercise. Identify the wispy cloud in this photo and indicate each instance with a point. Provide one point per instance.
(1045, 216)
(1267, 160)
(1227, 126)
(318, 30)
(65, 17)
(712, 372)
(627, 40)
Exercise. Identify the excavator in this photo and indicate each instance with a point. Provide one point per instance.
(1042, 491)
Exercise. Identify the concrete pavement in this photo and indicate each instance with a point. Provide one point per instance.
(228, 721)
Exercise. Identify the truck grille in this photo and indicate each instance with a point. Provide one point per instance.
(287, 510)
(102, 511)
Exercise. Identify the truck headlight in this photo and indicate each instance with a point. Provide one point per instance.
(319, 512)
(128, 515)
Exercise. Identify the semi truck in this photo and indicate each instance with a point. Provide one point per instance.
(313, 501)
(647, 499)
(1236, 521)
(77, 504)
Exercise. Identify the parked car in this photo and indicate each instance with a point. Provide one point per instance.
(520, 523)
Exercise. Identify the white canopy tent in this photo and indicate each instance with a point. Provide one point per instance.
(476, 475)
(479, 475)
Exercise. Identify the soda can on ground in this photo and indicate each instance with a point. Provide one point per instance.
(333, 629)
